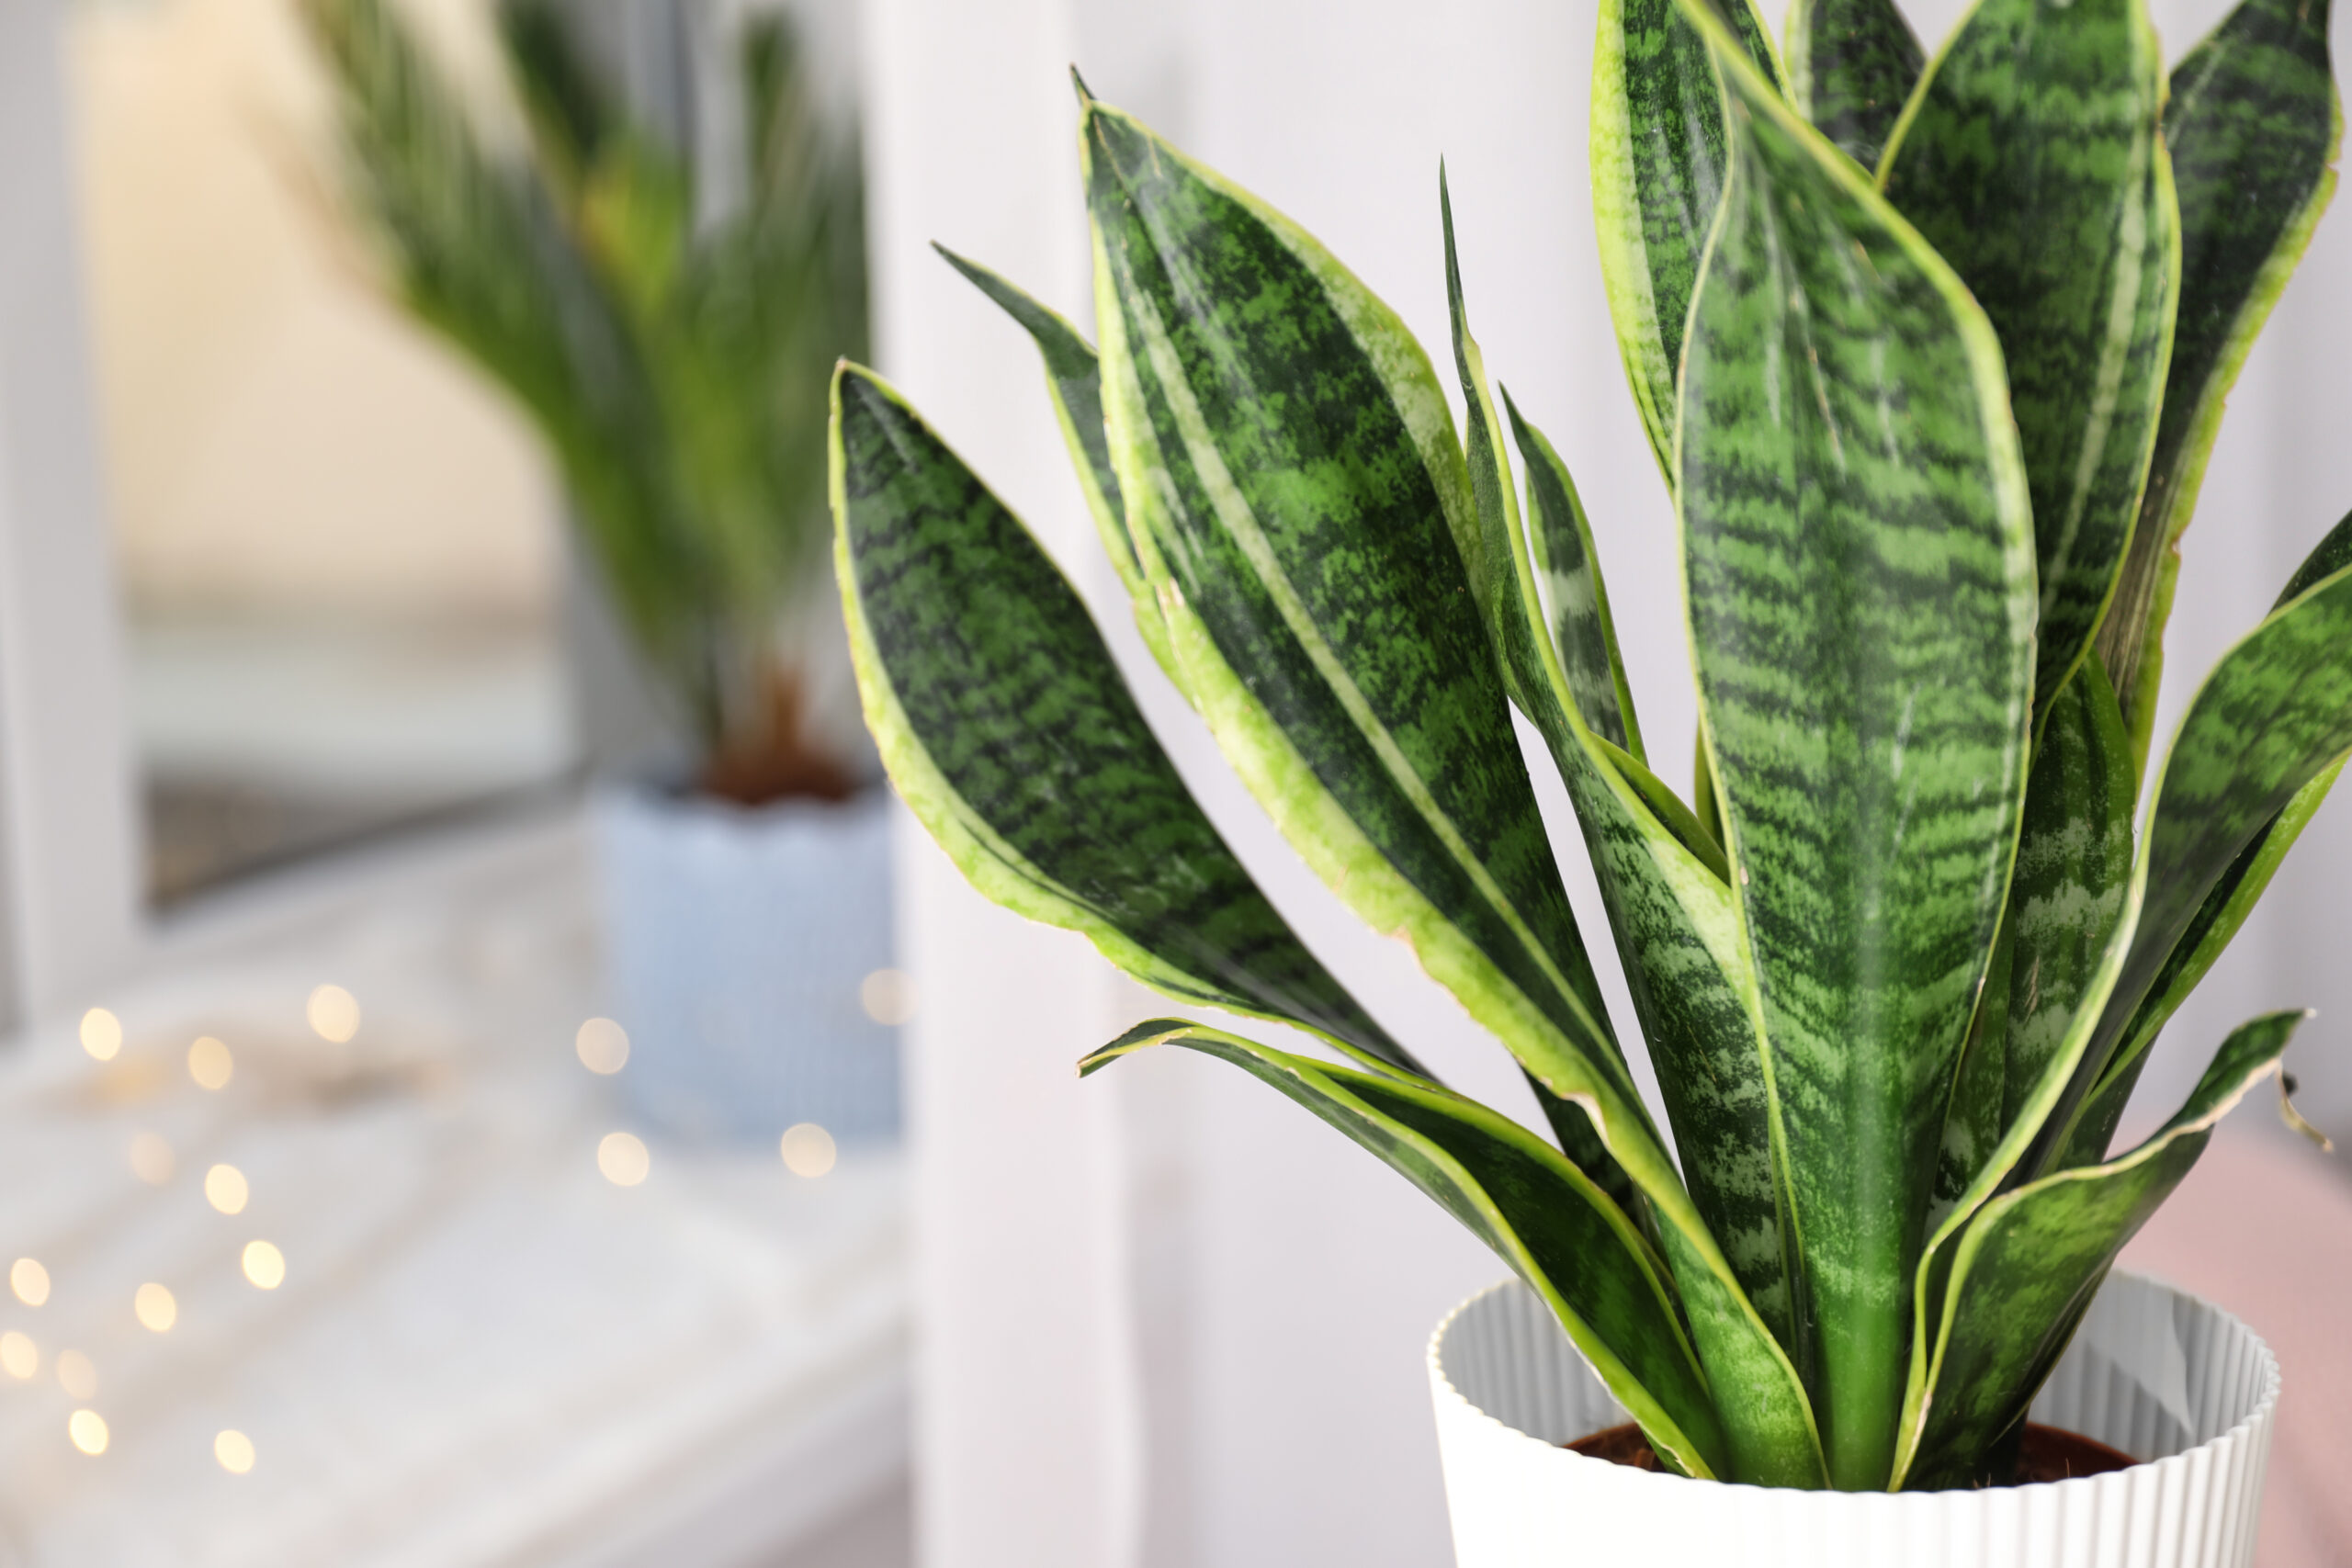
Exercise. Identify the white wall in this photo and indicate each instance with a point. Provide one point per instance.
(1279, 1285)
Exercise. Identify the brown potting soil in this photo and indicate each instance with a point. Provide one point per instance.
(2047, 1453)
(2053, 1453)
(1619, 1445)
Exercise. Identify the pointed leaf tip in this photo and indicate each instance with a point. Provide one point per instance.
(1085, 93)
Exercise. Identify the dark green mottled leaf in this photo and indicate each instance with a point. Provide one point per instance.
(1539, 1213)
(2208, 935)
(1074, 380)
(1972, 1122)
(1997, 1170)
(2252, 125)
(1495, 588)
(1011, 735)
(2030, 1261)
(2074, 864)
(2263, 737)
(1657, 161)
(2221, 913)
(1859, 550)
(1583, 636)
(1851, 66)
(2225, 907)
(1672, 918)
(2030, 159)
(1300, 506)
(1292, 479)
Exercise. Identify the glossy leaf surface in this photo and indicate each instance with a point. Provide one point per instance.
(1011, 733)
(1852, 64)
(2252, 125)
(1515, 640)
(2031, 161)
(2074, 868)
(1858, 546)
(1074, 380)
(2274, 717)
(1671, 915)
(1303, 514)
(1658, 172)
(1583, 636)
(2030, 1261)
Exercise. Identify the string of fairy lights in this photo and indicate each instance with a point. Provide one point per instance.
(808, 1150)
(333, 1014)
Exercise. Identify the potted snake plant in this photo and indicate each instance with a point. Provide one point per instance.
(669, 340)
(1932, 354)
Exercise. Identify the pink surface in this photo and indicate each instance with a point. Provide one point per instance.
(2263, 1229)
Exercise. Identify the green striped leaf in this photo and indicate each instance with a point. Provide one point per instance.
(2030, 159)
(2225, 908)
(1674, 924)
(1074, 380)
(1540, 1213)
(2029, 1263)
(1657, 164)
(2073, 866)
(1584, 637)
(1859, 548)
(1997, 1170)
(2072, 1108)
(2059, 952)
(1852, 64)
(2252, 125)
(2272, 722)
(1009, 732)
(1496, 589)
(1972, 1110)
(1292, 479)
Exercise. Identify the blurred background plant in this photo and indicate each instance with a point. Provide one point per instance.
(670, 340)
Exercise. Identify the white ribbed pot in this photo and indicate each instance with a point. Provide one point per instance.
(2179, 1385)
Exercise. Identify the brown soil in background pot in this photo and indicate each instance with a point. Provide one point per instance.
(773, 761)
(2047, 1453)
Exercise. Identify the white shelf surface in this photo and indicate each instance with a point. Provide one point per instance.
(483, 1353)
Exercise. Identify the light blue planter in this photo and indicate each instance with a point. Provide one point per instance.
(737, 942)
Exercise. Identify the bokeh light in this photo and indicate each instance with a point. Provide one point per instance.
(151, 1158)
(888, 996)
(334, 1013)
(155, 1307)
(234, 1450)
(808, 1150)
(265, 1264)
(76, 1375)
(623, 1158)
(29, 1280)
(20, 1356)
(225, 1189)
(603, 1045)
(101, 1033)
(88, 1430)
(210, 1063)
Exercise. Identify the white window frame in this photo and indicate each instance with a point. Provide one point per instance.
(69, 834)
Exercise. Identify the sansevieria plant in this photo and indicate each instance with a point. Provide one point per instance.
(1932, 354)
